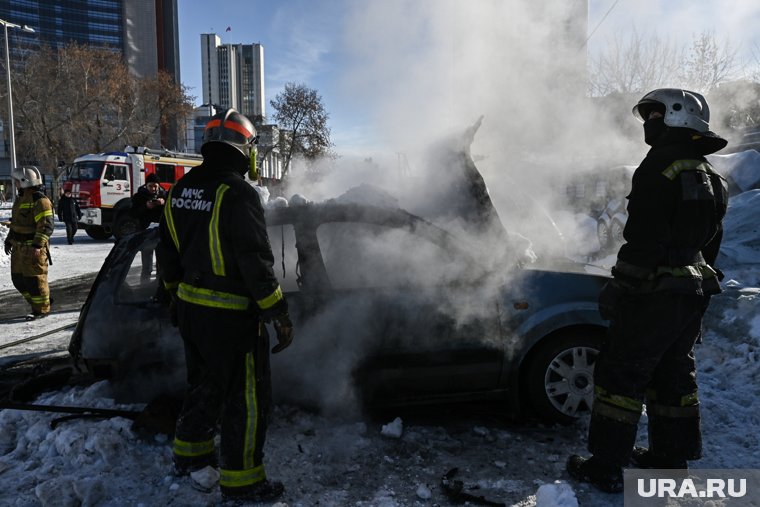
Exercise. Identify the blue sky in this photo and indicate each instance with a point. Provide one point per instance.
(313, 42)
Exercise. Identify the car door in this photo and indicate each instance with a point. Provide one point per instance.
(417, 321)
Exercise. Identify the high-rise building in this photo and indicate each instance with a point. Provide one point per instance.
(144, 32)
(233, 75)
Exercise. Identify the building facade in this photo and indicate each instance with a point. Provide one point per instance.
(144, 32)
(233, 75)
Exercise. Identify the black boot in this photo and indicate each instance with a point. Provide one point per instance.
(644, 458)
(603, 476)
(264, 491)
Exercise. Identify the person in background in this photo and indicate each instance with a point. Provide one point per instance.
(148, 206)
(662, 282)
(216, 260)
(27, 241)
(69, 213)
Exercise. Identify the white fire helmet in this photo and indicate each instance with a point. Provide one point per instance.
(27, 176)
(683, 108)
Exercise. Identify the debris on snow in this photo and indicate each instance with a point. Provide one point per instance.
(559, 494)
(393, 429)
(205, 479)
(423, 492)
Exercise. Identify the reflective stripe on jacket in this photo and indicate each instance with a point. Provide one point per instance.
(214, 247)
(32, 218)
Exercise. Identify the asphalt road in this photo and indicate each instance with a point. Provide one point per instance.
(68, 294)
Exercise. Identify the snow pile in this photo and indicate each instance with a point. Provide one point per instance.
(741, 239)
(742, 169)
(558, 494)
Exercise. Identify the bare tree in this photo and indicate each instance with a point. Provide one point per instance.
(300, 113)
(707, 64)
(78, 99)
(634, 65)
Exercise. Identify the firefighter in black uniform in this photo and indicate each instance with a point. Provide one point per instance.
(217, 261)
(661, 286)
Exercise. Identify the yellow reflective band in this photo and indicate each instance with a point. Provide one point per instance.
(214, 242)
(42, 214)
(271, 299)
(26, 205)
(170, 220)
(39, 299)
(680, 271)
(690, 399)
(617, 400)
(252, 406)
(193, 449)
(678, 166)
(212, 298)
(240, 478)
(616, 414)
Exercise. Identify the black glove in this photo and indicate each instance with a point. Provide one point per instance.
(284, 328)
(8, 246)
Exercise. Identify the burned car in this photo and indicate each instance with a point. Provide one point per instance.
(388, 309)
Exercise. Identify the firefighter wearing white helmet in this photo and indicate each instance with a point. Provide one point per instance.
(27, 241)
(662, 282)
(216, 258)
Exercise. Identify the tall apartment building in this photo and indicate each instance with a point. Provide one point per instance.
(145, 32)
(233, 75)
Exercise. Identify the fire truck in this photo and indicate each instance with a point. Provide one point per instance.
(104, 184)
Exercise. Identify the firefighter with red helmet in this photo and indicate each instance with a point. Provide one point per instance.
(217, 261)
(661, 286)
(27, 241)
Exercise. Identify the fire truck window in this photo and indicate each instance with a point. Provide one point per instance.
(116, 172)
(86, 171)
(165, 173)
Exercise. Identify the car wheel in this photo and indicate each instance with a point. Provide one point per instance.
(560, 379)
(616, 231)
(603, 233)
(97, 232)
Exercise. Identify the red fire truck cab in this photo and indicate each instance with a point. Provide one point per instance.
(104, 184)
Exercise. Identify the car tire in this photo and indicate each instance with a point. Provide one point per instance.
(560, 375)
(97, 232)
(603, 234)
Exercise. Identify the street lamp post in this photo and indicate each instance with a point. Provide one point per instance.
(11, 132)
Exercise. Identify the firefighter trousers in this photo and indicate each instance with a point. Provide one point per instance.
(228, 387)
(29, 276)
(648, 355)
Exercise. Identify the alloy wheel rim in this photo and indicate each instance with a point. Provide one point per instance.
(569, 380)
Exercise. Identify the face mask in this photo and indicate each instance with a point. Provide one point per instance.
(253, 170)
(654, 130)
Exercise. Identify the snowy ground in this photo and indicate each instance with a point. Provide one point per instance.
(363, 462)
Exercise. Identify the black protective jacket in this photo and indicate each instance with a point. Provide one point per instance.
(68, 210)
(140, 209)
(675, 208)
(214, 246)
